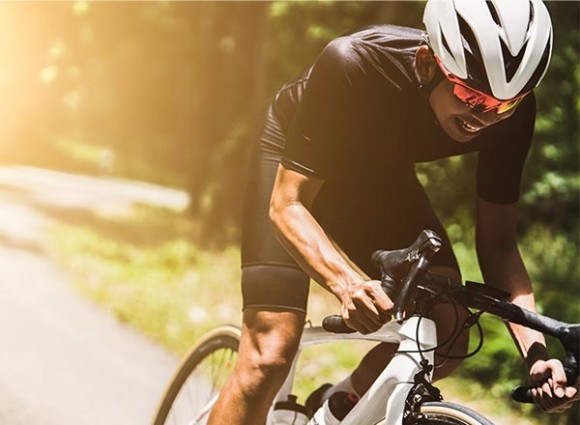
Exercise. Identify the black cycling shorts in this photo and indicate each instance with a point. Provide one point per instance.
(389, 219)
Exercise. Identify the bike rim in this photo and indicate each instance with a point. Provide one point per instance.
(449, 414)
(200, 390)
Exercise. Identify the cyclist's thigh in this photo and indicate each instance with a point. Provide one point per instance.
(274, 288)
(271, 279)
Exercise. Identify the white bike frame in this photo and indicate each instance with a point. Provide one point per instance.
(386, 397)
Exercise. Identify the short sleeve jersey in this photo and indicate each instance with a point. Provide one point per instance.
(359, 111)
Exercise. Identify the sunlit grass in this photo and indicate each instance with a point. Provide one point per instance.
(161, 284)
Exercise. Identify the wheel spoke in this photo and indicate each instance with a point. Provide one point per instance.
(196, 386)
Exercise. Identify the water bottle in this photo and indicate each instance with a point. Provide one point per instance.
(334, 409)
(289, 412)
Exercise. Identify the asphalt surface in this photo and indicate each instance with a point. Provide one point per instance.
(63, 360)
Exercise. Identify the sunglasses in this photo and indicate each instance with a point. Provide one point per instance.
(477, 100)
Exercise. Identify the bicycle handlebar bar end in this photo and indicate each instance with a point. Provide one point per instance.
(337, 325)
(522, 394)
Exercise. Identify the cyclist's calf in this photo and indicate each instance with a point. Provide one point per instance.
(267, 348)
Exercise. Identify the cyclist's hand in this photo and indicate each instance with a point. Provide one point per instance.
(550, 391)
(365, 306)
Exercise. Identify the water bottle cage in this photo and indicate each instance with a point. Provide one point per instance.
(423, 391)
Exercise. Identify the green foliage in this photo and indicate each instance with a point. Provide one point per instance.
(552, 260)
(498, 364)
(148, 273)
(552, 185)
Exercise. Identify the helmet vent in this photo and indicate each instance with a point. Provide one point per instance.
(511, 63)
(444, 40)
(493, 13)
(541, 68)
(468, 37)
(475, 66)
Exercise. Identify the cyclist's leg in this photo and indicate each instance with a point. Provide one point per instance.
(275, 293)
(267, 347)
(274, 314)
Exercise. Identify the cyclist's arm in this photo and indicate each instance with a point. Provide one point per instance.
(502, 266)
(363, 301)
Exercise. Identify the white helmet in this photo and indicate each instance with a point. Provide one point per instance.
(501, 47)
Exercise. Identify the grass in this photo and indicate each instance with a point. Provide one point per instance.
(159, 283)
(147, 269)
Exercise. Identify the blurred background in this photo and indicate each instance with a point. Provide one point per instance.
(173, 93)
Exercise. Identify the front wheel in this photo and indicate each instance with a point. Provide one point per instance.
(199, 378)
(437, 413)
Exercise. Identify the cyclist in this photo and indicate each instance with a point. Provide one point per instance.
(334, 173)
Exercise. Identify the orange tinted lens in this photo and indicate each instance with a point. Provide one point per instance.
(482, 102)
(474, 99)
(510, 104)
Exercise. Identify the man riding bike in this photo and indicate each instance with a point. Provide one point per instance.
(337, 153)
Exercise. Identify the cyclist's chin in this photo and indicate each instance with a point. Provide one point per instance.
(458, 130)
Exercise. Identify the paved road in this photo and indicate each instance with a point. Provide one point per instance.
(62, 359)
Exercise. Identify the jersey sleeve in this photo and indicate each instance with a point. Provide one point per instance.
(323, 124)
(502, 157)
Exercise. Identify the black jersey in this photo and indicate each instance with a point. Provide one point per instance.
(359, 111)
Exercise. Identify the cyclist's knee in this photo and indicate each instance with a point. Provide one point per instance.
(272, 365)
(269, 344)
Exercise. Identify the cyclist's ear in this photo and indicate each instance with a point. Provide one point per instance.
(425, 64)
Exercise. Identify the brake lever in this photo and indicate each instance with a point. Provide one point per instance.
(408, 265)
(418, 269)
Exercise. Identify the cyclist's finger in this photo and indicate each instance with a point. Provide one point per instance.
(572, 393)
(540, 399)
(546, 400)
(363, 326)
(558, 378)
(556, 406)
(560, 405)
(380, 299)
(367, 308)
(547, 389)
(370, 320)
(384, 317)
(357, 321)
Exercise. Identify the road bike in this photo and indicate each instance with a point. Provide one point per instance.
(403, 394)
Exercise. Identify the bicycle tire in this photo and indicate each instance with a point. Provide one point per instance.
(442, 413)
(184, 398)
